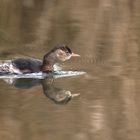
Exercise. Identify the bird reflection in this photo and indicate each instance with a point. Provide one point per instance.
(57, 95)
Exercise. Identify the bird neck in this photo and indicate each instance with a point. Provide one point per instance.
(47, 65)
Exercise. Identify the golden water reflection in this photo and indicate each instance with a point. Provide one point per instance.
(106, 34)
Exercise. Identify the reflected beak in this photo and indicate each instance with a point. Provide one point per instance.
(75, 55)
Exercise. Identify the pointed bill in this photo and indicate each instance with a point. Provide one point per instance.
(75, 55)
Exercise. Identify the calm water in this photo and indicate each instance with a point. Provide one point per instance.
(103, 104)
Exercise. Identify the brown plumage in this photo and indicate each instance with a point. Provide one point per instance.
(58, 54)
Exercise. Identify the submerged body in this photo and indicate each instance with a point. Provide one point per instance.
(30, 65)
(20, 65)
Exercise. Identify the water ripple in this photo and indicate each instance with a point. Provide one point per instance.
(40, 75)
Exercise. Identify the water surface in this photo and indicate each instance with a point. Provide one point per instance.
(101, 104)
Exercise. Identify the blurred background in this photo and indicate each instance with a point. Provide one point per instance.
(106, 35)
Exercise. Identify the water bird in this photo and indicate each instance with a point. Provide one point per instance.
(25, 65)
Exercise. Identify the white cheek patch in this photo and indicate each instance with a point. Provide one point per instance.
(61, 55)
(68, 57)
(57, 55)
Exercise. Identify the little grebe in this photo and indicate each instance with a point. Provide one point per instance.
(58, 54)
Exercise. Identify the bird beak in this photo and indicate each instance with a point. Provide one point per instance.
(75, 55)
